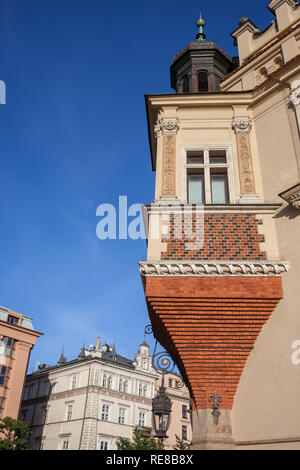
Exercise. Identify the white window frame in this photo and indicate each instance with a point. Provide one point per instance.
(206, 166)
(65, 445)
(142, 419)
(69, 411)
(105, 445)
(105, 412)
(107, 381)
(122, 416)
(73, 382)
(123, 385)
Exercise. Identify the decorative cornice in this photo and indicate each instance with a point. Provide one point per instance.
(292, 196)
(295, 97)
(166, 127)
(213, 268)
(241, 125)
(274, 4)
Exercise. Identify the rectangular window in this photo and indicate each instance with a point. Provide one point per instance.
(6, 346)
(3, 376)
(74, 382)
(184, 433)
(121, 418)
(65, 445)
(103, 445)
(105, 412)
(69, 412)
(207, 176)
(184, 411)
(170, 383)
(141, 419)
(12, 320)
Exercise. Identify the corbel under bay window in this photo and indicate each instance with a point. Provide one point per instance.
(207, 175)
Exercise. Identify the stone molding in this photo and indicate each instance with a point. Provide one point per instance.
(166, 127)
(292, 196)
(241, 125)
(213, 268)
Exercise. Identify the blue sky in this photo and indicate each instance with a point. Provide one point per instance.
(73, 136)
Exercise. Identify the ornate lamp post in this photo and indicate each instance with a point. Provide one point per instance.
(161, 404)
(161, 412)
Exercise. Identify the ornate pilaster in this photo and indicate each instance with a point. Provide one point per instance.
(242, 128)
(168, 129)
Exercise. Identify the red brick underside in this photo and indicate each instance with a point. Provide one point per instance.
(209, 326)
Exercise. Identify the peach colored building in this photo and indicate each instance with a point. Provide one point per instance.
(17, 338)
(222, 272)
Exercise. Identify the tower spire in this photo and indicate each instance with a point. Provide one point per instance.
(200, 25)
(62, 359)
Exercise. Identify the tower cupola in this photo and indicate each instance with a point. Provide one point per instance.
(200, 66)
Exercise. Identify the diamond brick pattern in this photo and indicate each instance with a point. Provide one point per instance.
(219, 237)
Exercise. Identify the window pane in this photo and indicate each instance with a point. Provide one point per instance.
(195, 188)
(195, 158)
(217, 156)
(218, 189)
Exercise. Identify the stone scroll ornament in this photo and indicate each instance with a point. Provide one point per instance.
(242, 128)
(169, 130)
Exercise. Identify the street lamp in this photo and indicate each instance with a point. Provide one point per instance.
(161, 412)
(163, 364)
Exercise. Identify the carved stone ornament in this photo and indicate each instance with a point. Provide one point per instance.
(213, 268)
(292, 196)
(169, 150)
(166, 127)
(245, 163)
(295, 97)
(241, 125)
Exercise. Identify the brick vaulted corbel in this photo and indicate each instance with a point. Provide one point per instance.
(208, 315)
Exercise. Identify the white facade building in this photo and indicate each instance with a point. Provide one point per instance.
(92, 401)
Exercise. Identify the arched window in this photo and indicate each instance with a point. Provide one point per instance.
(185, 86)
(123, 386)
(104, 381)
(202, 80)
(107, 381)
